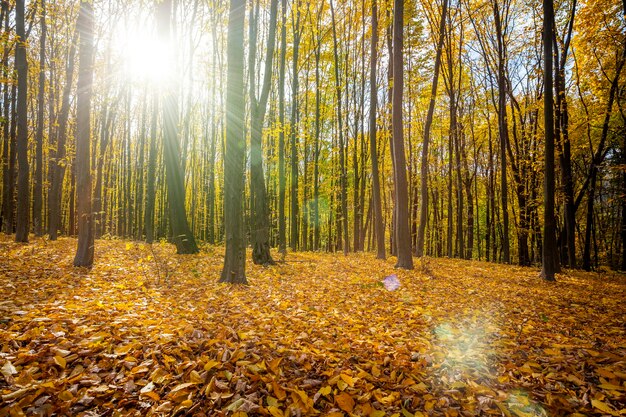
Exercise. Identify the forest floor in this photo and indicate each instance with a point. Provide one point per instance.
(148, 332)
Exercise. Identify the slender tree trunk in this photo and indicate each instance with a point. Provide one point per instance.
(343, 176)
(85, 27)
(6, 215)
(295, 214)
(234, 260)
(379, 226)
(421, 232)
(403, 234)
(282, 179)
(38, 177)
(316, 179)
(21, 66)
(503, 131)
(549, 224)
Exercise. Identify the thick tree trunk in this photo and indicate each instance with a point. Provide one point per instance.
(85, 27)
(181, 234)
(549, 224)
(235, 258)
(21, 65)
(403, 235)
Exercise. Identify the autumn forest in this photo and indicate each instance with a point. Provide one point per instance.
(427, 200)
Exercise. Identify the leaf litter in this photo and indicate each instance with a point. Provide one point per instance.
(148, 332)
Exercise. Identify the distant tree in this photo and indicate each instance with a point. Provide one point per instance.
(60, 160)
(403, 236)
(235, 257)
(421, 233)
(85, 27)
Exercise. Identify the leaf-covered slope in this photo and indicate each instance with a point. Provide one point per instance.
(147, 332)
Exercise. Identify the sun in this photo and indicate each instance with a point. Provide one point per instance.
(145, 57)
(148, 59)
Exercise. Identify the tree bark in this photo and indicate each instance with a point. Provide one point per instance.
(549, 224)
(38, 176)
(403, 235)
(343, 176)
(85, 27)
(181, 234)
(234, 260)
(379, 226)
(282, 180)
(21, 66)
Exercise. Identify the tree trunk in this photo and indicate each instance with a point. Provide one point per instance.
(343, 176)
(503, 131)
(294, 215)
(235, 258)
(260, 217)
(21, 66)
(85, 27)
(282, 180)
(150, 179)
(549, 224)
(379, 226)
(403, 235)
(181, 234)
(38, 177)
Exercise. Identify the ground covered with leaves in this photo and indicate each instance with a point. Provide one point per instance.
(147, 332)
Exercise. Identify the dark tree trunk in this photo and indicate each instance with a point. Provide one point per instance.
(235, 258)
(549, 224)
(379, 226)
(403, 235)
(38, 177)
(85, 27)
(503, 130)
(181, 234)
(21, 66)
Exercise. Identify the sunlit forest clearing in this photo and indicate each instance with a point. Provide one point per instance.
(293, 208)
(149, 331)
